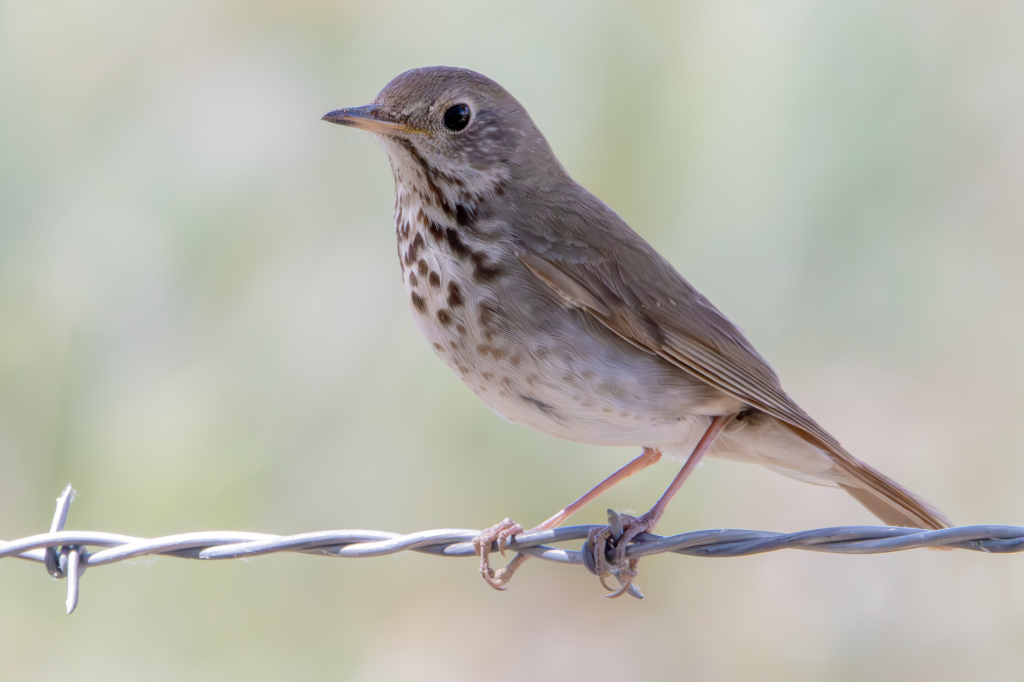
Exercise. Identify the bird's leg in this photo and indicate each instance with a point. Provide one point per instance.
(635, 525)
(648, 457)
(501, 532)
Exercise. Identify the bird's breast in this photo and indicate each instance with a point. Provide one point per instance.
(530, 357)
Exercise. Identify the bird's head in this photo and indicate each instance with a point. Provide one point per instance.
(451, 128)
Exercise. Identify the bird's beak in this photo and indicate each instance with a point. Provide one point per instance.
(369, 118)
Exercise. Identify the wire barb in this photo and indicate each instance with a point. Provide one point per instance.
(64, 553)
(60, 517)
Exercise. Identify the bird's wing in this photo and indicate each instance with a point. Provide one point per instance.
(592, 259)
(674, 322)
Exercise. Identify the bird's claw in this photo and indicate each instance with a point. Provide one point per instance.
(499, 533)
(620, 531)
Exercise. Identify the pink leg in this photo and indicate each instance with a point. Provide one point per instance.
(507, 528)
(706, 441)
(648, 457)
(647, 521)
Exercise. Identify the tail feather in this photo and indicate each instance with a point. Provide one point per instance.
(887, 499)
(884, 497)
(807, 456)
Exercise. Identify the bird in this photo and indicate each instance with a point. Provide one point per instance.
(562, 318)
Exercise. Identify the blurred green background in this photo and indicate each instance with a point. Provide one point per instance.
(202, 327)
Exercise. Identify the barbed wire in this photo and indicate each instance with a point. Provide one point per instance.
(64, 553)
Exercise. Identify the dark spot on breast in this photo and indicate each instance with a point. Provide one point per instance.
(435, 230)
(464, 215)
(418, 301)
(434, 279)
(422, 267)
(483, 271)
(443, 317)
(461, 329)
(454, 295)
(412, 279)
(438, 347)
(414, 249)
(455, 243)
(493, 351)
(488, 314)
(542, 406)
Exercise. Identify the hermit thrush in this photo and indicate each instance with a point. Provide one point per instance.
(562, 318)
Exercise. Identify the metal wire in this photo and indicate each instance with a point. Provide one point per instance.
(64, 553)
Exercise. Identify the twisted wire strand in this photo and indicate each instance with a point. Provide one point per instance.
(64, 553)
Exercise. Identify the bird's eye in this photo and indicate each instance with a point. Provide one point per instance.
(457, 117)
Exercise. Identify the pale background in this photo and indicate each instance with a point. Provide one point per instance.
(202, 327)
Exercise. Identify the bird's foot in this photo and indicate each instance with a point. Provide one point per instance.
(497, 534)
(620, 531)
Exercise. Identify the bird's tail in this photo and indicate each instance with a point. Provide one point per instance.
(765, 440)
(887, 499)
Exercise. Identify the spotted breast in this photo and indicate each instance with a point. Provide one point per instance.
(531, 357)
